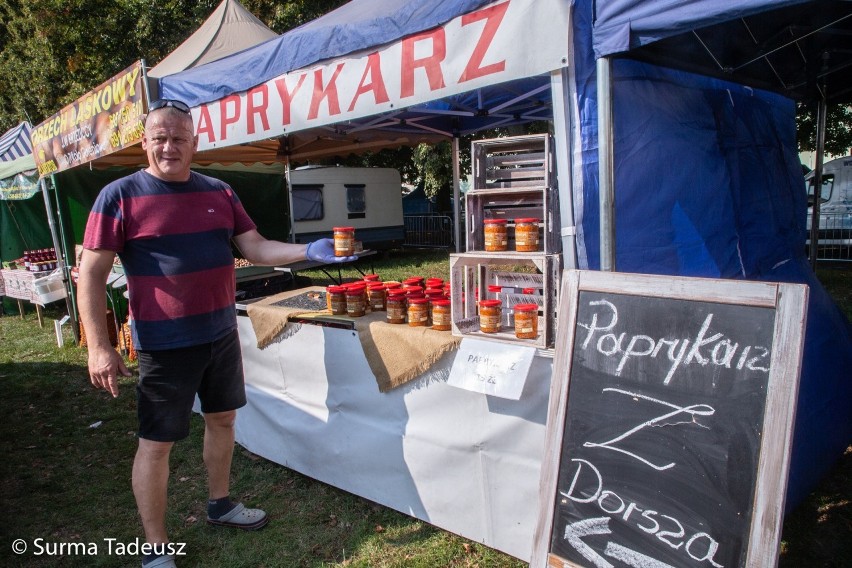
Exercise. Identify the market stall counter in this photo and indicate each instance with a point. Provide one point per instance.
(463, 461)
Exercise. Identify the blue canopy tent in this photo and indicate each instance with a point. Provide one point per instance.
(701, 99)
(702, 166)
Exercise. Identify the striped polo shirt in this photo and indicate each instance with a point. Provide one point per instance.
(173, 239)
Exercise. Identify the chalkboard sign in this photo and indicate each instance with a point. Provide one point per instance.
(670, 419)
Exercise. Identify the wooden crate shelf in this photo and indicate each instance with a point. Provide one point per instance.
(471, 274)
(513, 178)
(514, 162)
(513, 204)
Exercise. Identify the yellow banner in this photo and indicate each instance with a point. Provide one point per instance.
(101, 122)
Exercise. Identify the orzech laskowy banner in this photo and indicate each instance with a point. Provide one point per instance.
(101, 122)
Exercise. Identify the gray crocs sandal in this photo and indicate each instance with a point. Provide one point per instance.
(241, 518)
(167, 561)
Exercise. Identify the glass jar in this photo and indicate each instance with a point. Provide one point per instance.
(496, 239)
(377, 297)
(413, 291)
(526, 321)
(335, 297)
(418, 312)
(396, 306)
(441, 318)
(526, 235)
(413, 281)
(433, 293)
(490, 314)
(356, 305)
(344, 241)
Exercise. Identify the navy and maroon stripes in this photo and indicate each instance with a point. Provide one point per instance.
(174, 244)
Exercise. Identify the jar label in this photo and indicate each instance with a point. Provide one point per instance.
(489, 322)
(441, 319)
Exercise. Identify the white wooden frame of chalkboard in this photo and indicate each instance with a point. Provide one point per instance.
(790, 303)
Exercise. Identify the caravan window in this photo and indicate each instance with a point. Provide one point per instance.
(307, 202)
(825, 192)
(356, 202)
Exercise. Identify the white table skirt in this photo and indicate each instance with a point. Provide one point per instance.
(463, 461)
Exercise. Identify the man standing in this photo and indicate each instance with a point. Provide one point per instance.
(172, 229)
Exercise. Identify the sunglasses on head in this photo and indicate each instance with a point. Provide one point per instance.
(163, 103)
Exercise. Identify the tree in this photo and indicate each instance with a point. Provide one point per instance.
(54, 51)
(838, 129)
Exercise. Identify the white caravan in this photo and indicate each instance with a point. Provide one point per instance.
(368, 199)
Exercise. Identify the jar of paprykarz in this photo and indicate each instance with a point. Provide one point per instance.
(496, 235)
(396, 306)
(344, 241)
(441, 318)
(526, 321)
(490, 314)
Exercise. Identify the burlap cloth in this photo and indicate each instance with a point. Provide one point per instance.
(396, 353)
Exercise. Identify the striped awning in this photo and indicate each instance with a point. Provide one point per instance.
(15, 143)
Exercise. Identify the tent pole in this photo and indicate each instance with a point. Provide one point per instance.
(67, 273)
(606, 188)
(290, 198)
(822, 109)
(561, 102)
(456, 193)
(60, 257)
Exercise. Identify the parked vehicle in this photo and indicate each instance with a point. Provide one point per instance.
(368, 199)
(835, 210)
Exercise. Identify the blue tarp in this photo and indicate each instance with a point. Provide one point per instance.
(708, 183)
(622, 25)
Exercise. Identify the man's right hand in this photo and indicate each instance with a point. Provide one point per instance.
(105, 364)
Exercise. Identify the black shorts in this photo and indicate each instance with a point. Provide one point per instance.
(170, 379)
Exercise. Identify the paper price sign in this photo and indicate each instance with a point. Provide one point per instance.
(491, 368)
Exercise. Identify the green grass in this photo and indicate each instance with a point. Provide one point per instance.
(66, 481)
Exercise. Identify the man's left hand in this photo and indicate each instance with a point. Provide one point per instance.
(323, 251)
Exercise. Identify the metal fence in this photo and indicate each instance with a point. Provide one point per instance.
(835, 237)
(429, 231)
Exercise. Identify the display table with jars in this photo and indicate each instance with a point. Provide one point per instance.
(460, 460)
(33, 278)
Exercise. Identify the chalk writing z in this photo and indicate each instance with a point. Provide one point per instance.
(693, 411)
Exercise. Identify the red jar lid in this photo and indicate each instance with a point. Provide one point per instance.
(527, 220)
(529, 290)
(413, 280)
(493, 288)
(396, 292)
(393, 285)
(434, 282)
(335, 289)
(352, 291)
(371, 277)
(441, 302)
(375, 286)
(434, 291)
(417, 300)
(344, 229)
(489, 303)
(495, 221)
(526, 307)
